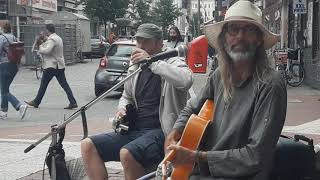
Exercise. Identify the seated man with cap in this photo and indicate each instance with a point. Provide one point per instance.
(250, 100)
(158, 94)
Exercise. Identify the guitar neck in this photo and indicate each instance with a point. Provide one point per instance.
(207, 110)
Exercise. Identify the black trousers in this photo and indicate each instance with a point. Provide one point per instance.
(48, 74)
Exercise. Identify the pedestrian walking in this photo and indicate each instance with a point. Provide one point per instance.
(54, 66)
(8, 71)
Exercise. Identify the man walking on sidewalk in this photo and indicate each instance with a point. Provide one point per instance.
(54, 65)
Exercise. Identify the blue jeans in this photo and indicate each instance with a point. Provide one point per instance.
(48, 74)
(7, 73)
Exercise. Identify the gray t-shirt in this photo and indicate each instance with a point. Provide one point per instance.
(241, 140)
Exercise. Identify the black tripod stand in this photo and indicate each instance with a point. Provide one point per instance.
(56, 145)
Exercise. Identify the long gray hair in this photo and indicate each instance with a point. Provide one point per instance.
(262, 65)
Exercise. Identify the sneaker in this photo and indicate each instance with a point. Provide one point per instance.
(71, 106)
(32, 103)
(22, 111)
(3, 115)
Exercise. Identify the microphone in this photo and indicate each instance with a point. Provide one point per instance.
(180, 51)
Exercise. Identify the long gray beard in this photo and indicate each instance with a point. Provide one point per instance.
(241, 56)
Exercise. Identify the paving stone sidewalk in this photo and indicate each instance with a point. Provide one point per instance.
(15, 164)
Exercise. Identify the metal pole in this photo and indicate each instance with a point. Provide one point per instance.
(199, 15)
(54, 141)
(8, 7)
(284, 24)
(31, 19)
(219, 6)
(18, 27)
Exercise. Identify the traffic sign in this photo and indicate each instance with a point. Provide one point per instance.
(299, 7)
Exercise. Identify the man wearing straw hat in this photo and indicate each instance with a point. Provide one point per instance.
(250, 99)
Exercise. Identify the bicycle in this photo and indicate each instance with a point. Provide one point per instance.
(38, 65)
(290, 63)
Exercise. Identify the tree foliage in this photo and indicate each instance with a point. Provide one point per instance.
(194, 24)
(164, 13)
(140, 11)
(105, 10)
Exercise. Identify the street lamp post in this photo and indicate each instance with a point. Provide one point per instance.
(31, 11)
(284, 24)
(219, 10)
(199, 15)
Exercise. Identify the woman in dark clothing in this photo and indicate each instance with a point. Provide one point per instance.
(175, 38)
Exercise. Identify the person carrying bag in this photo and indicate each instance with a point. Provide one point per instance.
(9, 60)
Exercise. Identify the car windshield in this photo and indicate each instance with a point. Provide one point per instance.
(121, 50)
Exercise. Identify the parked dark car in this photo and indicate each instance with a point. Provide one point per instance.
(98, 47)
(112, 65)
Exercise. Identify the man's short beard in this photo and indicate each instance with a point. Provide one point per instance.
(245, 55)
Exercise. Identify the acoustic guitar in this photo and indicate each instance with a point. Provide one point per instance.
(191, 138)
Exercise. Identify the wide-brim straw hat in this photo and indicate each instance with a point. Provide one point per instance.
(243, 11)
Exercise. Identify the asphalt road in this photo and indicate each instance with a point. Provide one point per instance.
(38, 121)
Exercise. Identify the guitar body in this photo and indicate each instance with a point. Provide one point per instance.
(191, 138)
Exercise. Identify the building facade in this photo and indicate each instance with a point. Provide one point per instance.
(25, 12)
(299, 24)
(33, 11)
(308, 37)
(207, 9)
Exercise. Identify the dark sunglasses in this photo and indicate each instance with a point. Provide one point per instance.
(234, 29)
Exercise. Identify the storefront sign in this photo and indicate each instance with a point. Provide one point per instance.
(225, 3)
(299, 6)
(49, 5)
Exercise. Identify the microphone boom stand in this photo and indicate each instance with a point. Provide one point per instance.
(55, 129)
